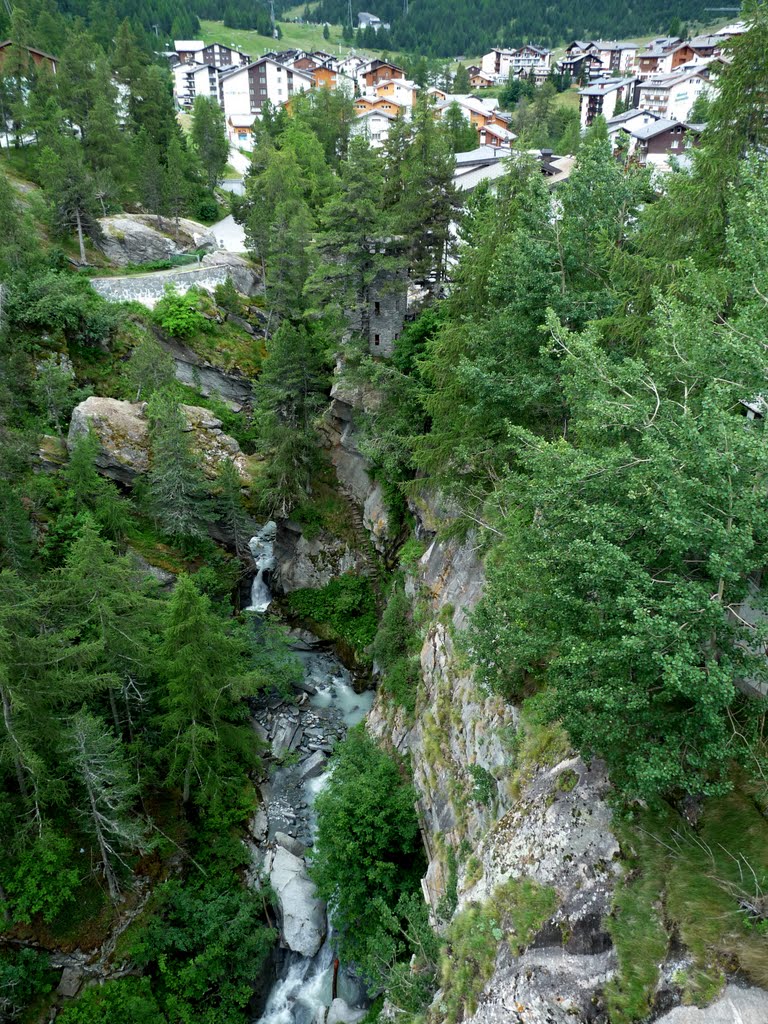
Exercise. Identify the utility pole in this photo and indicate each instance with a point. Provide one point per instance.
(349, 13)
(272, 15)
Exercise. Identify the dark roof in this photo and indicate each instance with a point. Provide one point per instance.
(31, 49)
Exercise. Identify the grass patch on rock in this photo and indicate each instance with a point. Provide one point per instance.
(695, 885)
(513, 914)
(344, 609)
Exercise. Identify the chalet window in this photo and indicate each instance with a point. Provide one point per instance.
(377, 308)
(376, 339)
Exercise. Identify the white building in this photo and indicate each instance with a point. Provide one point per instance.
(672, 96)
(192, 80)
(374, 125)
(602, 98)
(400, 90)
(616, 56)
(629, 122)
(245, 90)
(528, 60)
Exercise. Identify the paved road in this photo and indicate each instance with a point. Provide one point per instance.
(240, 162)
(229, 235)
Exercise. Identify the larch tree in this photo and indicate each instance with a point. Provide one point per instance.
(108, 792)
(203, 665)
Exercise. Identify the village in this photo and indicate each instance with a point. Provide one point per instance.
(647, 93)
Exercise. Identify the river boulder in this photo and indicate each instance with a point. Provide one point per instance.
(341, 1012)
(122, 430)
(302, 913)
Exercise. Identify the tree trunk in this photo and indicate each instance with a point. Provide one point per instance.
(114, 890)
(115, 715)
(17, 762)
(187, 782)
(80, 237)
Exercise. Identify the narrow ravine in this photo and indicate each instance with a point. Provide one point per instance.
(301, 730)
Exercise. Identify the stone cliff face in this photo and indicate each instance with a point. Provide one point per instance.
(489, 815)
(502, 797)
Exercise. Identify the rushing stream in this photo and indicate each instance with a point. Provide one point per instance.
(301, 733)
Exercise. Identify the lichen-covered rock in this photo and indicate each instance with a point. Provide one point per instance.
(552, 825)
(133, 238)
(351, 465)
(122, 431)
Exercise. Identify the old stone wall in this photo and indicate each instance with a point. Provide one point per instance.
(148, 289)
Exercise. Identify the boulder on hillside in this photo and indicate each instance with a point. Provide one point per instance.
(140, 238)
(302, 913)
(244, 277)
(122, 430)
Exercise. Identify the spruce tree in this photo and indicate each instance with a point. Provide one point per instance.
(209, 136)
(176, 488)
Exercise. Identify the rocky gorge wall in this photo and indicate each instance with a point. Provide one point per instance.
(503, 798)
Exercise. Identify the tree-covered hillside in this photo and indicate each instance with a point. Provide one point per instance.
(449, 28)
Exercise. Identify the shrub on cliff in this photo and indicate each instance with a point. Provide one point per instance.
(368, 846)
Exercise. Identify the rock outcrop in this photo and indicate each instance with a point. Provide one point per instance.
(315, 561)
(351, 465)
(230, 386)
(243, 276)
(122, 431)
(132, 238)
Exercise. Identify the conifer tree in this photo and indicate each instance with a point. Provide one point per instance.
(70, 190)
(108, 792)
(209, 136)
(149, 369)
(353, 242)
(204, 669)
(229, 506)
(176, 488)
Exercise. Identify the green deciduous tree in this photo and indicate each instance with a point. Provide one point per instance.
(368, 843)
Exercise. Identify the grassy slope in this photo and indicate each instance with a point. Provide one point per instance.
(300, 37)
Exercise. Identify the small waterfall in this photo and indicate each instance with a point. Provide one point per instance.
(263, 550)
(303, 994)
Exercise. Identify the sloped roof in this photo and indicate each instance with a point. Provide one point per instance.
(185, 45)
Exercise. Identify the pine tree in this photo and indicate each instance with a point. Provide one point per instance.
(175, 186)
(290, 392)
(81, 79)
(353, 242)
(149, 369)
(229, 507)
(71, 191)
(461, 134)
(461, 83)
(428, 201)
(176, 488)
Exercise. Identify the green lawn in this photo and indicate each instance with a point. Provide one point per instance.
(299, 37)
